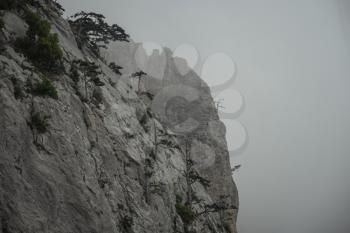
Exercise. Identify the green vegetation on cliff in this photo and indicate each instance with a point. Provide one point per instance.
(40, 46)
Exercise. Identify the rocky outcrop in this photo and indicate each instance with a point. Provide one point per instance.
(115, 163)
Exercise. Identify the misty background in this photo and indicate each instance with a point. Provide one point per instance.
(293, 70)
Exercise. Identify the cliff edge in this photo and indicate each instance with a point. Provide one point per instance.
(107, 154)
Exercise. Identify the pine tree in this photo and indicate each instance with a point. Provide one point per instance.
(91, 73)
(116, 69)
(139, 75)
(92, 31)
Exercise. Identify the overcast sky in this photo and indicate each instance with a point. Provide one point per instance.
(293, 66)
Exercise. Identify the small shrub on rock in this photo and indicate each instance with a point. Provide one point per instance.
(39, 122)
(37, 26)
(186, 213)
(126, 223)
(46, 88)
(40, 46)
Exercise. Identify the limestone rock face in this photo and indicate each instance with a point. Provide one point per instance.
(115, 163)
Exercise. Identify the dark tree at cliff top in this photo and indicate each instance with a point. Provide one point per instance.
(91, 30)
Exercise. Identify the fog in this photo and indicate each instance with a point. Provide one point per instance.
(293, 71)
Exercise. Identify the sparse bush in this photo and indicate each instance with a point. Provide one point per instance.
(39, 122)
(40, 46)
(49, 50)
(46, 88)
(126, 223)
(37, 26)
(186, 213)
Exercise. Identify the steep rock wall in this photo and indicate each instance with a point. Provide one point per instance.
(96, 168)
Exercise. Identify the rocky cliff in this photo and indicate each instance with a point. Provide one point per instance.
(118, 159)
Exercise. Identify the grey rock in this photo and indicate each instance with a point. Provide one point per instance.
(97, 169)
